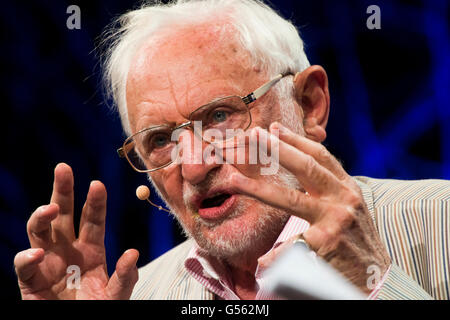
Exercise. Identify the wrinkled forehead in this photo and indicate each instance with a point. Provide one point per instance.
(188, 66)
(207, 50)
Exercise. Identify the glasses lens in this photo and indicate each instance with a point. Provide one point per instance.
(150, 149)
(221, 120)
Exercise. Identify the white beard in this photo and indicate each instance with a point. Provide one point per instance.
(241, 240)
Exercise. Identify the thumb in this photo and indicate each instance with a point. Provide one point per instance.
(268, 259)
(121, 283)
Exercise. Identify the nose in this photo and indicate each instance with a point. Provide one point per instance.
(198, 158)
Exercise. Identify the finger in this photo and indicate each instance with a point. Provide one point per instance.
(268, 259)
(39, 225)
(316, 179)
(122, 282)
(292, 200)
(26, 265)
(62, 226)
(93, 216)
(308, 146)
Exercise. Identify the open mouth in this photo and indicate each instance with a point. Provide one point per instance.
(214, 201)
(216, 205)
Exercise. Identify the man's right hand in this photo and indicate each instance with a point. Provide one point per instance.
(42, 269)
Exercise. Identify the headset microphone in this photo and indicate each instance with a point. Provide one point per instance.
(143, 193)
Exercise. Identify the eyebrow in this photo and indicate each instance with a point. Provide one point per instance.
(174, 124)
(214, 100)
(150, 125)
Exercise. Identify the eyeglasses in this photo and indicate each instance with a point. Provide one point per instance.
(151, 149)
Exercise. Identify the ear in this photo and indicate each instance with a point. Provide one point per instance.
(311, 93)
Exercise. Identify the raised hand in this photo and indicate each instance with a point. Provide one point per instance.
(42, 269)
(341, 229)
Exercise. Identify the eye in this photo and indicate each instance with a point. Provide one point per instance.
(219, 116)
(159, 140)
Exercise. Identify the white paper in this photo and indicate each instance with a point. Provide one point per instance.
(297, 274)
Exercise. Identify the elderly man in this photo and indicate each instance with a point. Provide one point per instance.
(234, 66)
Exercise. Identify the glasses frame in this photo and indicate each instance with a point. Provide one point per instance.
(248, 99)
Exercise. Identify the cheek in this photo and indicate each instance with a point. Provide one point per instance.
(169, 183)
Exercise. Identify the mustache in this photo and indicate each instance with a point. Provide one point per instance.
(218, 179)
(212, 180)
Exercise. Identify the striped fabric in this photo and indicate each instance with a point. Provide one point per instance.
(211, 274)
(413, 221)
(165, 278)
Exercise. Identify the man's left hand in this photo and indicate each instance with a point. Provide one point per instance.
(341, 230)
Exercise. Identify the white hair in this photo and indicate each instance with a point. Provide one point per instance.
(273, 43)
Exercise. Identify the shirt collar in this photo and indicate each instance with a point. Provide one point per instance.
(215, 276)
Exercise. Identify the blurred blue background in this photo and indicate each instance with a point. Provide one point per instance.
(390, 115)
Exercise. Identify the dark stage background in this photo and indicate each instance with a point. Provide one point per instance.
(389, 119)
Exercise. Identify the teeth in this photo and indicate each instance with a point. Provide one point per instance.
(214, 195)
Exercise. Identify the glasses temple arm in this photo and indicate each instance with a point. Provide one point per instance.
(264, 88)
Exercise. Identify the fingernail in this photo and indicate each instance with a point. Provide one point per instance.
(284, 130)
(93, 182)
(137, 256)
(43, 211)
(61, 165)
(281, 129)
(274, 126)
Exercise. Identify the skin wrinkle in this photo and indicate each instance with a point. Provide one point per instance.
(146, 120)
(222, 90)
(188, 87)
(202, 33)
(341, 231)
(253, 228)
(174, 95)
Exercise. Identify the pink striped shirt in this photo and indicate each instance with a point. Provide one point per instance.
(213, 275)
